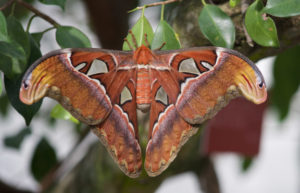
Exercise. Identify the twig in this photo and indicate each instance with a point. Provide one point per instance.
(38, 13)
(6, 5)
(29, 22)
(154, 4)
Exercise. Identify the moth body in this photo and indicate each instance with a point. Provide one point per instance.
(143, 56)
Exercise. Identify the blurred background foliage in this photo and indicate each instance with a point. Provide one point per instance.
(256, 28)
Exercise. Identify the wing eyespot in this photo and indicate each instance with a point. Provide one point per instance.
(261, 84)
(26, 85)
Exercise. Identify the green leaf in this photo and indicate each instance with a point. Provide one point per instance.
(15, 49)
(16, 63)
(286, 80)
(13, 86)
(6, 65)
(16, 140)
(233, 3)
(59, 112)
(60, 3)
(139, 30)
(261, 29)
(18, 67)
(4, 104)
(12, 50)
(17, 34)
(216, 26)
(37, 37)
(35, 50)
(70, 37)
(3, 28)
(283, 8)
(44, 159)
(165, 34)
(12, 89)
(12, 67)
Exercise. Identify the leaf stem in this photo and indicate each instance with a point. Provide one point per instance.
(203, 2)
(30, 21)
(143, 11)
(162, 12)
(154, 4)
(12, 11)
(38, 13)
(46, 30)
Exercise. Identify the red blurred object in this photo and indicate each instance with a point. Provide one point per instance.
(237, 128)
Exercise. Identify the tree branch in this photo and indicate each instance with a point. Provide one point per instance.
(154, 4)
(38, 13)
(6, 5)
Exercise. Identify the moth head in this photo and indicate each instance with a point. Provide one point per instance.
(142, 55)
(33, 87)
(252, 86)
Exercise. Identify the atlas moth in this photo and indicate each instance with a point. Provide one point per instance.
(181, 89)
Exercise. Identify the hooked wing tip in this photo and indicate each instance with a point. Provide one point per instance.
(25, 93)
(252, 88)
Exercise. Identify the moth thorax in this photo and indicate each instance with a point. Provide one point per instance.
(143, 88)
(143, 55)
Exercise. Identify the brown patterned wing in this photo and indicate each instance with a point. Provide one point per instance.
(168, 132)
(119, 132)
(198, 83)
(67, 76)
(98, 88)
(219, 75)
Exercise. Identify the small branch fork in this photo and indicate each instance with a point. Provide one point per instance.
(154, 4)
(32, 9)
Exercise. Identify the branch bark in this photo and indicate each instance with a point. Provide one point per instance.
(155, 4)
